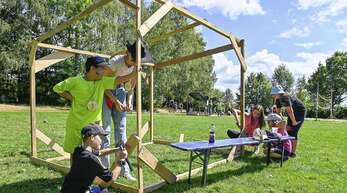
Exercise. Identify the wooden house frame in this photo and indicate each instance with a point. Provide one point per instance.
(144, 156)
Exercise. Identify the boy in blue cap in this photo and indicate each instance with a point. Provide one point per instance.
(86, 166)
(296, 112)
(86, 94)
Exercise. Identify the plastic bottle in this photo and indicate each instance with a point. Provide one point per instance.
(212, 134)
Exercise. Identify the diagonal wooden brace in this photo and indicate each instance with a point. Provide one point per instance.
(149, 159)
(51, 143)
(155, 18)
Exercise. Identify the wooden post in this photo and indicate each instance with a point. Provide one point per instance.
(151, 112)
(33, 97)
(138, 98)
(242, 86)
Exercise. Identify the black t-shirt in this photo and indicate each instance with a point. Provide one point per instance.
(287, 101)
(85, 167)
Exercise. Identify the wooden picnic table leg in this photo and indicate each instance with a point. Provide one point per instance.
(268, 153)
(204, 171)
(190, 167)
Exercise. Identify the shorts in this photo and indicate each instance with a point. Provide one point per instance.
(295, 130)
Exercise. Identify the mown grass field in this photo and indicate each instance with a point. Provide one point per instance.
(321, 164)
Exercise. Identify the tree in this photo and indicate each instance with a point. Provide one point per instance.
(258, 89)
(228, 99)
(282, 76)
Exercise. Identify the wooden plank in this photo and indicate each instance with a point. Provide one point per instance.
(140, 182)
(71, 50)
(161, 142)
(181, 137)
(57, 167)
(51, 144)
(148, 143)
(197, 170)
(60, 158)
(108, 151)
(149, 159)
(144, 130)
(155, 186)
(124, 187)
(129, 4)
(194, 56)
(196, 18)
(167, 35)
(238, 53)
(75, 19)
(151, 104)
(155, 18)
(33, 98)
(132, 143)
(51, 59)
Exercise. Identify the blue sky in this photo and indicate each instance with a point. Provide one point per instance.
(297, 33)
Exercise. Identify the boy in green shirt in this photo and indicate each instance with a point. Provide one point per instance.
(86, 94)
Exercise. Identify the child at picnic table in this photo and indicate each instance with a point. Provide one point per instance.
(276, 122)
(253, 120)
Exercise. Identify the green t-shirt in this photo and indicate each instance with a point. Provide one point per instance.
(86, 105)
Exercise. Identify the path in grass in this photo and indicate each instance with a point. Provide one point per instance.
(321, 165)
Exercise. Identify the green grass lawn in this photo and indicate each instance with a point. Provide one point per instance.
(319, 167)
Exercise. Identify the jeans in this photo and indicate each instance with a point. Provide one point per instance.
(119, 122)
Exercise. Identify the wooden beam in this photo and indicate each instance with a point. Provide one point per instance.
(71, 50)
(108, 151)
(155, 18)
(194, 56)
(155, 186)
(140, 182)
(144, 130)
(124, 187)
(33, 97)
(167, 35)
(57, 167)
(238, 53)
(161, 142)
(202, 21)
(51, 144)
(149, 159)
(51, 59)
(129, 4)
(74, 20)
(60, 158)
(151, 104)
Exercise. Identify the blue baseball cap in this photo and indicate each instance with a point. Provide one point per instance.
(277, 90)
(96, 61)
(93, 129)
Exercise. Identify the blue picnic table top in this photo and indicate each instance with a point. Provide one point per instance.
(203, 145)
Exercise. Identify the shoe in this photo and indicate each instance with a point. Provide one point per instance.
(129, 177)
(104, 190)
(292, 155)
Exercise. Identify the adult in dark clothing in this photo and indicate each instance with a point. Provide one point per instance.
(295, 109)
(87, 167)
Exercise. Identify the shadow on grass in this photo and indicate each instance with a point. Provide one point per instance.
(41, 185)
(254, 164)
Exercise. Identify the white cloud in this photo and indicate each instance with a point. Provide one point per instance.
(295, 32)
(228, 73)
(308, 45)
(342, 27)
(326, 8)
(265, 61)
(229, 8)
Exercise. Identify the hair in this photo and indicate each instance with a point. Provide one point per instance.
(262, 115)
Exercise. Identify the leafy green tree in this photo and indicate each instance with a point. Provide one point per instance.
(283, 77)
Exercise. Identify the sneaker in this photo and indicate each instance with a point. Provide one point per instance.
(104, 190)
(129, 177)
(292, 155)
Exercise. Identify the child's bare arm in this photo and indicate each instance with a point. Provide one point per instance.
(119, 106)
(66, 95)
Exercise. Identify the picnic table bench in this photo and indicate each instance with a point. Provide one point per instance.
(202, 150)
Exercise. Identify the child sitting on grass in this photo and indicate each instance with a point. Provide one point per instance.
(86, 165)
